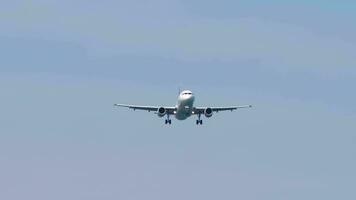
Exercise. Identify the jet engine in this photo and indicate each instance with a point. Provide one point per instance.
(208, 112)
(161, 112)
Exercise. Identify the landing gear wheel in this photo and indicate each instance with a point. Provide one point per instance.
(199, 121)
(168, 120)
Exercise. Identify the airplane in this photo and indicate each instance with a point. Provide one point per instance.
(184, 108)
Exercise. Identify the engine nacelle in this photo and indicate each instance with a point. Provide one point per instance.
(208, 112)
(161, 112)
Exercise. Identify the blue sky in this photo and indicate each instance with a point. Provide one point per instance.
(64, 63)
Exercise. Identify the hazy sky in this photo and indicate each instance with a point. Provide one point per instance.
(64, 63)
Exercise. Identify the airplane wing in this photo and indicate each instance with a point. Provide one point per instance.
(200, 110)
(170, 110)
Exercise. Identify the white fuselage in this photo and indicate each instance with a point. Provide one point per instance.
(185, 105)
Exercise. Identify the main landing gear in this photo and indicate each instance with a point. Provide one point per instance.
(199, 121)
(168, 121)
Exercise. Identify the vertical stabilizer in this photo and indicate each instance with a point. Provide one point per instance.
(179, 91)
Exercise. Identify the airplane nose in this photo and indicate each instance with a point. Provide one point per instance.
(187, 98)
